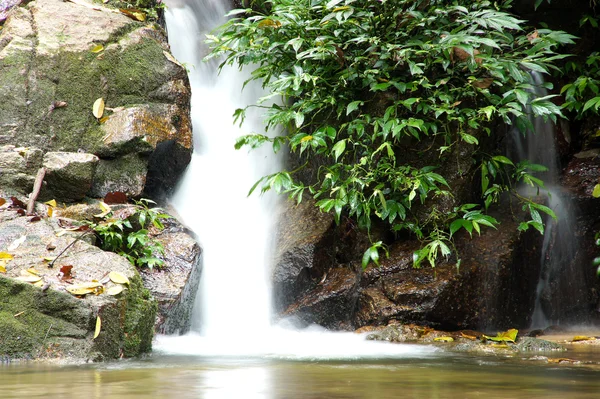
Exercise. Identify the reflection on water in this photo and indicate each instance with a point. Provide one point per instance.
(190, 377)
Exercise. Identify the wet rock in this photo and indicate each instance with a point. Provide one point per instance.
(175, 284)
(48, 322)
(331, 303)
(529, 344)
(68, 175)
(302, 240)
(494, 286)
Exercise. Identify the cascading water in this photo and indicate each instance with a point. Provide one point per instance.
(232, 311)
(556, 293)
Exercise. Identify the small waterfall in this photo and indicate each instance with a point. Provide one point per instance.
(232, 229)
(232, 312)
(556, 295)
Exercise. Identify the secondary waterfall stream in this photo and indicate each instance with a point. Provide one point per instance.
(232, 311)
(559, 248)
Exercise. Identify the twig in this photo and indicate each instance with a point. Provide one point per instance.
(44, 341)
(51, 264)
(37, 186)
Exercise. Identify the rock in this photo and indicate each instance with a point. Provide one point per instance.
(331, 303)
(126, 174)
(493, 288)
(68, 175)
(175, 284)
(302, 238)
(38, 323)
(18, 167)
(50, 79)
(6, 6)
(529, 344)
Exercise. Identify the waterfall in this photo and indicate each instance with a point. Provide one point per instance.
(556, 293)
(232, 312)
(212, 200)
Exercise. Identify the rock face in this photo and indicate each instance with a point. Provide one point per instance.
(48, 322)
(50, 79)
(175, 284)
(493, 288)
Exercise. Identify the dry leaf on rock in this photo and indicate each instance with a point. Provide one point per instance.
(15, 244)
(98, 327)
(86, 288)
(29, 279)
(114, 290)
(98, 108)
(118, 278)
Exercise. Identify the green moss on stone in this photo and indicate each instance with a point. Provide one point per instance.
(31, 320)
(140, 316)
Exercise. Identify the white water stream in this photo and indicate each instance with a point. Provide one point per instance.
(560, 244)
(232, 312)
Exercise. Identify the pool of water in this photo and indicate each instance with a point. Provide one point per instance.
(441, 376)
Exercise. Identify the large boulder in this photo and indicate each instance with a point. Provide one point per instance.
(494, 287)
(44, 320)
(50, 78)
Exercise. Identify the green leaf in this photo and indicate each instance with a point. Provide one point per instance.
(353, 106)
(338, 149)
(596, 192)
(503, 160)
(469, 139)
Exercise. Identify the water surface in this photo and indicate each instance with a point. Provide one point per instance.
(442, 376)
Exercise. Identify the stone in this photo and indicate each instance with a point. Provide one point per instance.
(494, 287)
(18, 168)
(45, 60)
(6, 6)
(126, 174)
(68, 175)
(175, 284)
(302, 236)
(51, 323)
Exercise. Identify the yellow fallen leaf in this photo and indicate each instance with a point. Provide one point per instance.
(49, 258)
(170, 57)
(97, 48)
(118, 278)
(29, 279)
(85, 288)
(32, 271)
(114, 290)
(51, 203)
(50, 211)
(98, 108)
(444, 339)
(5, 255)
(582, 338)
(134, 14)
(471, 337)
(2, 267)
(39, 283)
(98, 327)
(105, 210)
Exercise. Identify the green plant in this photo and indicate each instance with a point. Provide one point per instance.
(371, 87)
(126, 233)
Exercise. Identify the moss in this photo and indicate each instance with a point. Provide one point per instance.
(122, 77)
(140, 316)
(31, 320)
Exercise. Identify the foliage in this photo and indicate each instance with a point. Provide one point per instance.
(369, 87)
(583, 94)
(118, 234)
